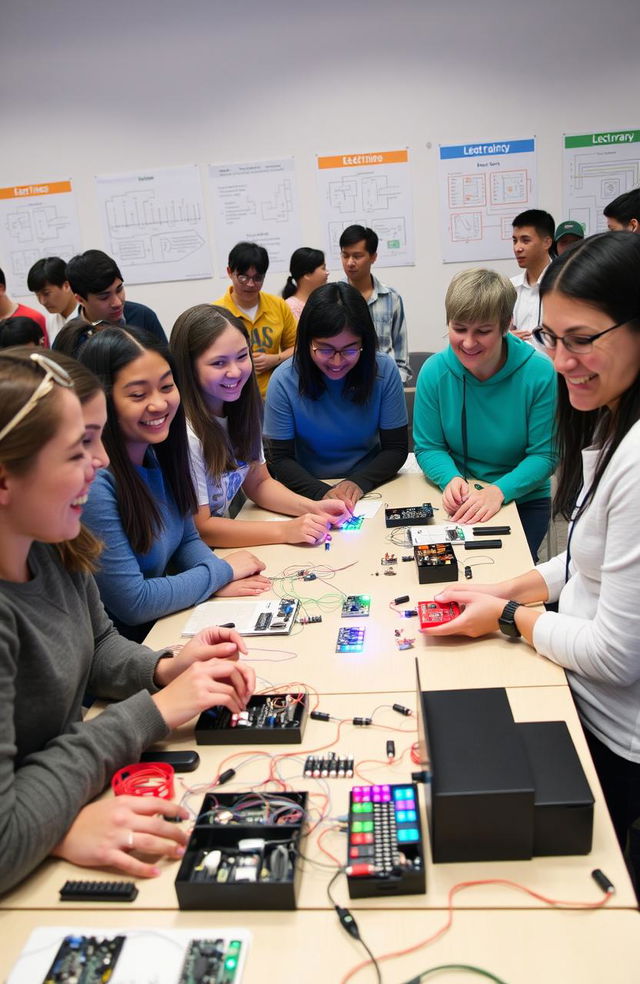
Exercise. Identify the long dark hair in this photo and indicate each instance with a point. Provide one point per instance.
(331, 309)
(303, 260)
(193, 333)
(604, 271)
(106, 354)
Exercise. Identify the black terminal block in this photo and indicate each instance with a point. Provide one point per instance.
(408, 515)
(98, 891)
(273, 719)
(436, 562)
(243, 852)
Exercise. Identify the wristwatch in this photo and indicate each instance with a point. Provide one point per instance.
(507, 621)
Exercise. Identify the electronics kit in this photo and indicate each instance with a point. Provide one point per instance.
(436, 613)
(267, 719)
(243, 852)
(408, 515)
(61, 955)
(249, 618)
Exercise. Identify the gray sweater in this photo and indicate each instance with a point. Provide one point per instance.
(56, 642)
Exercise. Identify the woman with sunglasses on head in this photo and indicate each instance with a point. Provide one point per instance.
(222, 403)
(484, 411)
(154, 562)
(56, 642)
(336, 410)
(591, 329)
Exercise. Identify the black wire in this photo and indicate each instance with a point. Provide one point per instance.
(358, 937)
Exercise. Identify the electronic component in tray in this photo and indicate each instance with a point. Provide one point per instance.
(436, 612)
(243, 852)
(350, 640)
(436, 562)
(89, 959)
(267, 719)
(385, 850)
(248, 616)
(355, 606)
(408, 515)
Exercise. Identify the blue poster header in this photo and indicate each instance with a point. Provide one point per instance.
(496, 148)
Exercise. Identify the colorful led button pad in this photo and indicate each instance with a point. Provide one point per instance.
(385, 852)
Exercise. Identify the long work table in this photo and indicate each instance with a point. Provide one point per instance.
(476, 914)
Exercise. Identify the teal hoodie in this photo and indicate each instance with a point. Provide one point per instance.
(509, 422)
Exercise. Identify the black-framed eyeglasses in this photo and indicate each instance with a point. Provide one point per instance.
(577, 344)
(53, 373)
(328, 351)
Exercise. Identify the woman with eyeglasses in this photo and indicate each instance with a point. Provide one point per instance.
(483, 413)
(222, 403)
(591, 330)
(336, 410)
(142, 507)
(56, 642)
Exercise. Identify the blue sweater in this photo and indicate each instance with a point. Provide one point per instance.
(509, 419)
(136, 588)
(333, 436)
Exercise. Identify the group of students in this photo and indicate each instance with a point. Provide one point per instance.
(149, 443)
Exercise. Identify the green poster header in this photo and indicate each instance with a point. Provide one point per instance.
(603, 139)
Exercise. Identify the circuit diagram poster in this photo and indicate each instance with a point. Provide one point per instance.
(597, 167)
(36, 220)
(370, 189)
(154, 224)
(256, 201)
(483, 186)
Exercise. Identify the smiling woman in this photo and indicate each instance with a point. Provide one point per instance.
(142, 507)
(56, 641)
(220, 393)
(484, 410)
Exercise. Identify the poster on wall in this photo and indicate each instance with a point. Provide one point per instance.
(371, 189)
(483, 186)
(36, 220)
(596, 168)
(256, 201)
(154, 224)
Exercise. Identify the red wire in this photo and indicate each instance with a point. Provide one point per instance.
(460, 886)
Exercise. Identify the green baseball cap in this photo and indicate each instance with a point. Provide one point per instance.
(569, 228)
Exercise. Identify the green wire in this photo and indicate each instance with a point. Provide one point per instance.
(468, 967)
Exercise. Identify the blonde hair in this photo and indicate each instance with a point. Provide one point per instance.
(480, 295)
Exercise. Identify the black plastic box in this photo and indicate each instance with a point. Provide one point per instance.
(215, 726)
(482, 786)
(216, 829)
(408, 515)
(436, 562)
(563, 812)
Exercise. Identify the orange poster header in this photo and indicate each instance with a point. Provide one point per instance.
(26, 191)
(365, 160)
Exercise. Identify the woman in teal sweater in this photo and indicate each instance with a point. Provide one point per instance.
(484, 410)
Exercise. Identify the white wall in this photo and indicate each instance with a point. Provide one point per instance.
(89, 87)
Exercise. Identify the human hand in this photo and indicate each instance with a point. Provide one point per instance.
(263, 361)
(214, 642)
(104, 832)
(479, 616)
(335, 511)
(348, 492)
(244, 587)
(244, 564)
(203, 685)
(454, 494)
(479, 505)
(523, 333)
(309, 528)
